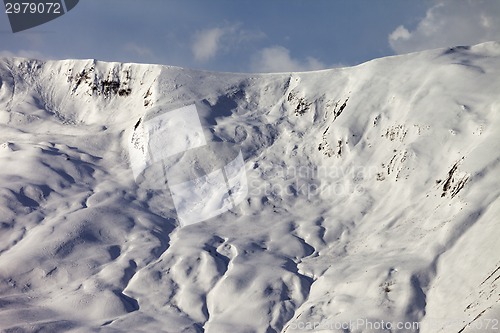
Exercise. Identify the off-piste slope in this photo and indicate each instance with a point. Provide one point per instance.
(372, 199)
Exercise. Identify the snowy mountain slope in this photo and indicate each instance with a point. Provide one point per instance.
(372, 197)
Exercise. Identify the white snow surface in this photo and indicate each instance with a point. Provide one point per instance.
(373, 196)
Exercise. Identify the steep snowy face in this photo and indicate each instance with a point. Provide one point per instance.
(370, 198)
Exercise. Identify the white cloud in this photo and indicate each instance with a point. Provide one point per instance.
(401, 33)
(450, 23)
(30, 54)
(278, 59)
(209, 42)
(139, 50)
(206, 43)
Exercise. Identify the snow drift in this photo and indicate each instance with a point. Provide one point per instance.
(372, 201)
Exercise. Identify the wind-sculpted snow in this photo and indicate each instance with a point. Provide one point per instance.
(371, 203)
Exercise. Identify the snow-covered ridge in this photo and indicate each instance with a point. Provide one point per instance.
(373, 196)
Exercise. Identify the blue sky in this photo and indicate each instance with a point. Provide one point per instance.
(254, 36)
